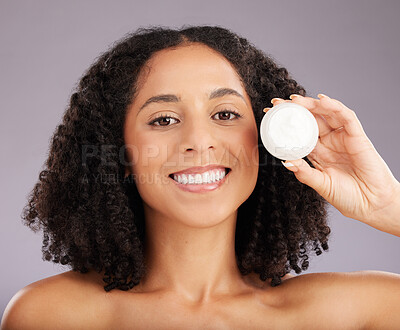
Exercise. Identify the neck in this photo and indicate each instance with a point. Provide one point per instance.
(196, 264)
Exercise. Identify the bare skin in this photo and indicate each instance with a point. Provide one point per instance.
(191, 250)
(356, 300)
(193, 280)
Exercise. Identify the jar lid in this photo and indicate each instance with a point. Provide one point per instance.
(289, 131)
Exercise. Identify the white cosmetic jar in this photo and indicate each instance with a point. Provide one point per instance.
(289, 131)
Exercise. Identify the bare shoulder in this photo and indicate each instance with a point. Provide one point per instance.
(362, 299)
(59, 301)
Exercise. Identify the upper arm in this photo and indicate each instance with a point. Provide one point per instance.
(378, 298)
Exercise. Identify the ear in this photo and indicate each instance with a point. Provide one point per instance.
(127, 171)
(127, 163)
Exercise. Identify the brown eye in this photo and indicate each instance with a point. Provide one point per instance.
(228, 114)
(165, 120)
(162, 121)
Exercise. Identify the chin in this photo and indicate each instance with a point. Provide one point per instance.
(203, 217)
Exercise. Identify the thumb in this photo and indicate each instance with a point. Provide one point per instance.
(307, 175)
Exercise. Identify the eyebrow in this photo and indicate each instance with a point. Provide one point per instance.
(220, 92)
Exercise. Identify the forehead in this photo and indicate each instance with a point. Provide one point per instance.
(194, 66)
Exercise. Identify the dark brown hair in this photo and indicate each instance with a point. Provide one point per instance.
(93, 219)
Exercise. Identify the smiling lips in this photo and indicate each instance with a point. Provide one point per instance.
(199, 169)
(200, 179)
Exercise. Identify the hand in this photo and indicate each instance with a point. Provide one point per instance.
(349, 173)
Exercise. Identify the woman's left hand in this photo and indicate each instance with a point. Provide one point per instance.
(349, 173)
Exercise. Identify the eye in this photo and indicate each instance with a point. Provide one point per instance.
(165, 120)
(228, 113)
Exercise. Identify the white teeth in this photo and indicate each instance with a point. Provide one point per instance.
(198, 179)
(212, 177)
(206, 177)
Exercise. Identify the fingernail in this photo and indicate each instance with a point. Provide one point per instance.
(320, 95)
(294, 96)
(290, 166)
(276, 99)
(266, 109)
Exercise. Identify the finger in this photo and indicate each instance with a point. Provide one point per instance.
(313, 161)
(323, 126)
(334, 111)
(333, 122)
(328, 155)
(277, 100)
(308, 175)
(323, 157)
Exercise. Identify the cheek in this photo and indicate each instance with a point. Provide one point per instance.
(145, 153)
(245, 144)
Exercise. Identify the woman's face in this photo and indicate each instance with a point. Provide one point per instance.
(198, 131)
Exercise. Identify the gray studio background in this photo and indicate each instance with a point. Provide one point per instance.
(349, 50)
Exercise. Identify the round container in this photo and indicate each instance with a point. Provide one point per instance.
(289, 131)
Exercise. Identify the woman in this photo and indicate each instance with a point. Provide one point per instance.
(120, 201)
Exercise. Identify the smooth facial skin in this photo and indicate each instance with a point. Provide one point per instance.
(190, 236)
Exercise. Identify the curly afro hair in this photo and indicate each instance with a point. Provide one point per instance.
(97, 224)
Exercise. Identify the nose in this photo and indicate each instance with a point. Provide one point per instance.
(198, 135)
